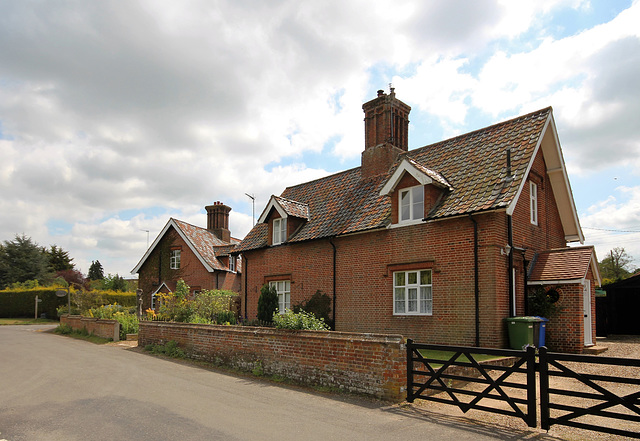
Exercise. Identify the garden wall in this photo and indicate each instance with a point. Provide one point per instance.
(100, 327)
(372, 364)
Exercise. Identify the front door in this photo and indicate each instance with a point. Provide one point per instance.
(586, 303)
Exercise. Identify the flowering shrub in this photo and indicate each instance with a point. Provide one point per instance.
(209, 306)
(125, 316)
(299, 320)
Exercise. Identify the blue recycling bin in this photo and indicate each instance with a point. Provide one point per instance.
(542, 331)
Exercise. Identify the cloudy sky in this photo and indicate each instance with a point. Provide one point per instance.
(115, 116)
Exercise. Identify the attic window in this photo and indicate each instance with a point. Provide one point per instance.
(411, 203)
(232, 264)
(174, 261)
(279, 231)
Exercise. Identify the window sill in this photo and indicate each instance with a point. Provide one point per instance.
(407, 223)
(413, 315)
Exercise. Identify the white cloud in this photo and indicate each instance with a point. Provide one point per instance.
(106, 109)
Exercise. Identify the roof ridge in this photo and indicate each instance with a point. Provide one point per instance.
(482, 129)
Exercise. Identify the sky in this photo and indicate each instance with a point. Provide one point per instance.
(116, 116)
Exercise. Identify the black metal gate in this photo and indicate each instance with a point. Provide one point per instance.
(596, 399)
(494, 382)
(506, 384)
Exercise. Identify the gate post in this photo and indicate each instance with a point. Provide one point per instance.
(410, 370)
(531, 387)
(543, 369)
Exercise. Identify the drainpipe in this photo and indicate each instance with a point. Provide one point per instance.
(475, 277)
(512, 300)
(333, 309)
(245, 266)
(525, 264)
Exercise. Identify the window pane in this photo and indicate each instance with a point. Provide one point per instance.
(412, 304)
(425, 300)
(287, 285)
(418, 202)
(425, 277)
(405, 205)
(413, 277)
(399, 301)
(399, 279)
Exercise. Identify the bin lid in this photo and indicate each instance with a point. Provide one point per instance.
(526, 319)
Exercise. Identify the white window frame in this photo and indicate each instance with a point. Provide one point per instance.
(283, 288)
(279, 230)
(153, 301)
(413, 295)
(232, 263)
(411, 210)
(174, 260)
(533, 202)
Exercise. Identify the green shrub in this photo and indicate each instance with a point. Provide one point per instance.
(63, 329)
(267, 303)
(319, 305)
(21, 302)
(298, 320)
(171, 349)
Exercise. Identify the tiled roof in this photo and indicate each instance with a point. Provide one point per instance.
(473, 166)
(205, 243)
(561, 264)
(293, 208)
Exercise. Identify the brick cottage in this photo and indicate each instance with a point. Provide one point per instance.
(440, 243)
(201, 257)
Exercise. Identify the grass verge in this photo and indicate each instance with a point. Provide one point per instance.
(80, 335)
(26, 321)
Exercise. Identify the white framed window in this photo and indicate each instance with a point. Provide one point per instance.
(279, 231)
(411, 204)
(283, 288)
(412, 293)
(533, 202)
(153, 301)
(174, 261)
(232, 264)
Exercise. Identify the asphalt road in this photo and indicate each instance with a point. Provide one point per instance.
(57, 388)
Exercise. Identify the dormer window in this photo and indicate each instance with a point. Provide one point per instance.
(411, 203)
(232, 264)
(279, 231)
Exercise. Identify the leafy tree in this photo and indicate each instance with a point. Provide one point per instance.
(23, 259)
(615, 266)
(95, 271)
(114, 282)
(71, 277)
(59, 259)
(267, 303)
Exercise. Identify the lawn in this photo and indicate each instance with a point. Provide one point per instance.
(26, 321)
(446, 356)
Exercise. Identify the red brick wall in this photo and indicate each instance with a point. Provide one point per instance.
(368, 364)
(101, 328)
(192, 271)
(364, 271)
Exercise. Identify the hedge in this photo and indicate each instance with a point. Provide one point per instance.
(21, 303)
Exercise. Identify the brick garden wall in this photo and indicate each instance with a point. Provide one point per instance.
(101, 328)
(371, 364)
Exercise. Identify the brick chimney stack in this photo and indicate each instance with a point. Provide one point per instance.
(386, 133)
(218, 220)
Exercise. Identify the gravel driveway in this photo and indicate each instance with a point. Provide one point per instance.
(516, 429)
